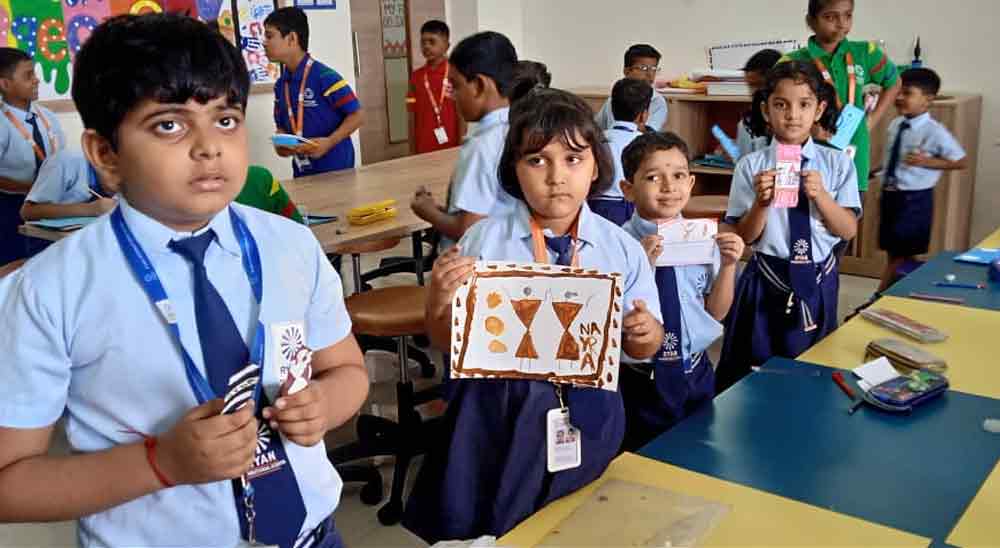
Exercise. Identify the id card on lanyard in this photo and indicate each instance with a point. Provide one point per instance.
(144, 271)
(23, 130)
(562, 440)
(297, 120)
(851, 116)
(440, 133)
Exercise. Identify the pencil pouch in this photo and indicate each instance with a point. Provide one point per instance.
(370, 213)
(905, 392)
(905, 325)
(904, 356)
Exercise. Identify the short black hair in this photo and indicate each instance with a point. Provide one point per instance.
(762, 61)
(640, 50)
(9, 59)
(816, 6)
(488, 53)
(924, 79)
(168, 58)
(290, 19)
(436, 26)
(642, 146)
(528, 76)
(549, 114)
(629, 98)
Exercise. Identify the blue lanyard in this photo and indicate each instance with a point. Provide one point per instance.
(150, 281)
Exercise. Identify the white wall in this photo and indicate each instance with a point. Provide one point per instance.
(506, 16)
(330, 42)
(462, 17)
(582, 42)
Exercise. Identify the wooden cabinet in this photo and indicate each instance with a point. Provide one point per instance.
(692, 117)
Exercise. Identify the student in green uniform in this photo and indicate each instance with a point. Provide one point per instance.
(262, 191)
(833, 54)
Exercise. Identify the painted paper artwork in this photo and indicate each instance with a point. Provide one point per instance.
(688, 241)
(786, 182)
(539, 322)
(53, 31)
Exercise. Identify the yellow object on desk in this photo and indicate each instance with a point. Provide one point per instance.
(756, 518)
(970, 350)
(370, 213)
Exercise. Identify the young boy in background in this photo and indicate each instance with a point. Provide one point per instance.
(434, 120)
(918, 149)
(311, 100)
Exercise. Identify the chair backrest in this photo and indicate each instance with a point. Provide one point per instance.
(11, 267)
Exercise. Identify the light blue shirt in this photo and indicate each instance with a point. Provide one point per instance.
(925, 134)
(603, 245)
(747, 142)
(64, 178)
(619, 136)
(700, 329)
(475, 186)
(91, 346)
(657, 113)
(839, 178)
(17, 155)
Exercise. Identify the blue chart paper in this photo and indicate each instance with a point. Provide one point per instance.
(847, 125)
(727, 144)
(979, 255)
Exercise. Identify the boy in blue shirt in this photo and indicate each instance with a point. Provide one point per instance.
(642, 62)
(311, 100)
(197, 299)
(918, 149)
(693, 298)
(28, 134)
(630, 106)
(66, 186)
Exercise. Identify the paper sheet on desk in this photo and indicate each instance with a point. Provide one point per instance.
(874, 373)
(622, 513)
(688, 241)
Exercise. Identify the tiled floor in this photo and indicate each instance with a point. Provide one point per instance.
(356, 521)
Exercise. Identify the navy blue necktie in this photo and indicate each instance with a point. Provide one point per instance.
(672, 350)
(36, 134)
(278, 503)
(801, 269)
(897, 146)
(563, 246)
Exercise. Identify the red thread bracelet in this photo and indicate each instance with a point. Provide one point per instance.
(150, 443)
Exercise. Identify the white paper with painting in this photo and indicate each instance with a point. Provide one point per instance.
(687, 241)
(539, 322)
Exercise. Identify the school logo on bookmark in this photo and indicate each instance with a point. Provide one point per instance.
(292, 359)
(801, 250)
(265, 459)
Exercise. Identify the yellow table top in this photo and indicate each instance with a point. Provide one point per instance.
(978, 525)
(756, 518)
(971, 336)
(993, 240)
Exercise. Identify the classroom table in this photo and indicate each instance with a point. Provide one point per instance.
(921, 281)
(337, 192)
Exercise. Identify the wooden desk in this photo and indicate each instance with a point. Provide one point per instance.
(336, 193)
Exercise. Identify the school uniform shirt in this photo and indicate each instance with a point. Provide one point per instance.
(17, 155)
(66, 177)
(420, 101)
(328, 99)
(839, 179)
(700, 329)
(263, 191)
(872, 66)
(748, 143)
(475, 185)
(925, 134)
(657, 114)
(619, 137)
(488, 473)
(93, 348)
